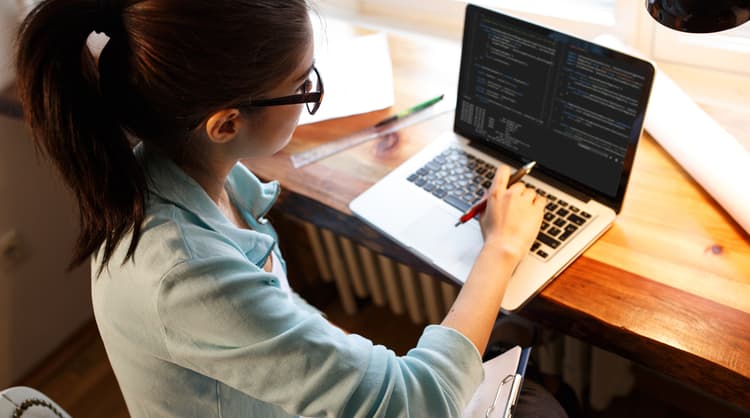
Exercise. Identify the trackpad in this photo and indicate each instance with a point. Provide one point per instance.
(436, 237)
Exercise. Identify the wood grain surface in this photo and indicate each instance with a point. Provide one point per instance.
(668, 286)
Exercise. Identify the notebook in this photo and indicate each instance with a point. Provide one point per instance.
(497, 395)
(525, 93)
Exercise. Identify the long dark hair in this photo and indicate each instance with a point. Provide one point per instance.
(167, 65)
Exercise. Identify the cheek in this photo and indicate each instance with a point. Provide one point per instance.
(273, 129)
(295, 115)
(291, 120)
(285, 123)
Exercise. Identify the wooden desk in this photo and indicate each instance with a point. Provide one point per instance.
(668, 286)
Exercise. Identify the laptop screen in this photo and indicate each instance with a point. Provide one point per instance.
(532, 93)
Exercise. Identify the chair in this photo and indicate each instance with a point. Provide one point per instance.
(25, 402)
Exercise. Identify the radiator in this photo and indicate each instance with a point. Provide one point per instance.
(358, 272)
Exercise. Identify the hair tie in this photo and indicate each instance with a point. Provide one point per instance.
(107, 19)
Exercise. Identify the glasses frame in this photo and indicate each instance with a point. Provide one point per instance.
(312, 100)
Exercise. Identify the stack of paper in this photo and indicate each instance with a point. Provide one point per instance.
(357, 75)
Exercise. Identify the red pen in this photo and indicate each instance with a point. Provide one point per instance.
(482, 204)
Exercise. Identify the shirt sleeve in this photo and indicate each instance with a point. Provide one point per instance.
(226, 319)
(305, 305)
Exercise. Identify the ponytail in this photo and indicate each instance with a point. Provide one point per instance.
(76, 128)
(151, 83)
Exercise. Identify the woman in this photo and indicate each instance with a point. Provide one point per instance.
(188, 285)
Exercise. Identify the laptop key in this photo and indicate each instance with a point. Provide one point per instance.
(413, 178)
(440, 193)
(535, 246)
(576, 219)
(563, 212)
(548, 240)
(420, 182)
(585, 215)
(542, 254)
(457, 203)
(433, 166)
(565, 235)
(559, 222)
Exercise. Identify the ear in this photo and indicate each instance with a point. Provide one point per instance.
(223, 126)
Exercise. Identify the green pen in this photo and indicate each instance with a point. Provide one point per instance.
(409, 111)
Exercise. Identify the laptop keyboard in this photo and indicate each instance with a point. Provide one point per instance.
(460, 179)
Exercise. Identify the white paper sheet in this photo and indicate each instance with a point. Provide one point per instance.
(712, 156)
(357, 75)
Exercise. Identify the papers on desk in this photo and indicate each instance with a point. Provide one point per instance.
(712, 156)
(497, 394)
(357, 75)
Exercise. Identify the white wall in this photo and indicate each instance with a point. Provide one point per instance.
(41, 305)
(9, 18)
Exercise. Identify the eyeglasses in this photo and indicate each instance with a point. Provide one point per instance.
(311, 98)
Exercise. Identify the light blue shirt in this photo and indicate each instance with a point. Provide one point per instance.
(194, 327)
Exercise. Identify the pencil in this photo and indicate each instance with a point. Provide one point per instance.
(409, 111)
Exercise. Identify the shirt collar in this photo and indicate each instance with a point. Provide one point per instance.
(254, 199)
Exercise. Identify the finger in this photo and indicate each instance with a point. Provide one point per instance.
(539, 204)
(528, 195)
(517, 189)
(527, 191)
(501, 179)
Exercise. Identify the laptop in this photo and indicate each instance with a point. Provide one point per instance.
(525, 93)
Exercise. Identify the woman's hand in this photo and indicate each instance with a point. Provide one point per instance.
(512, 218)
(510, 224)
